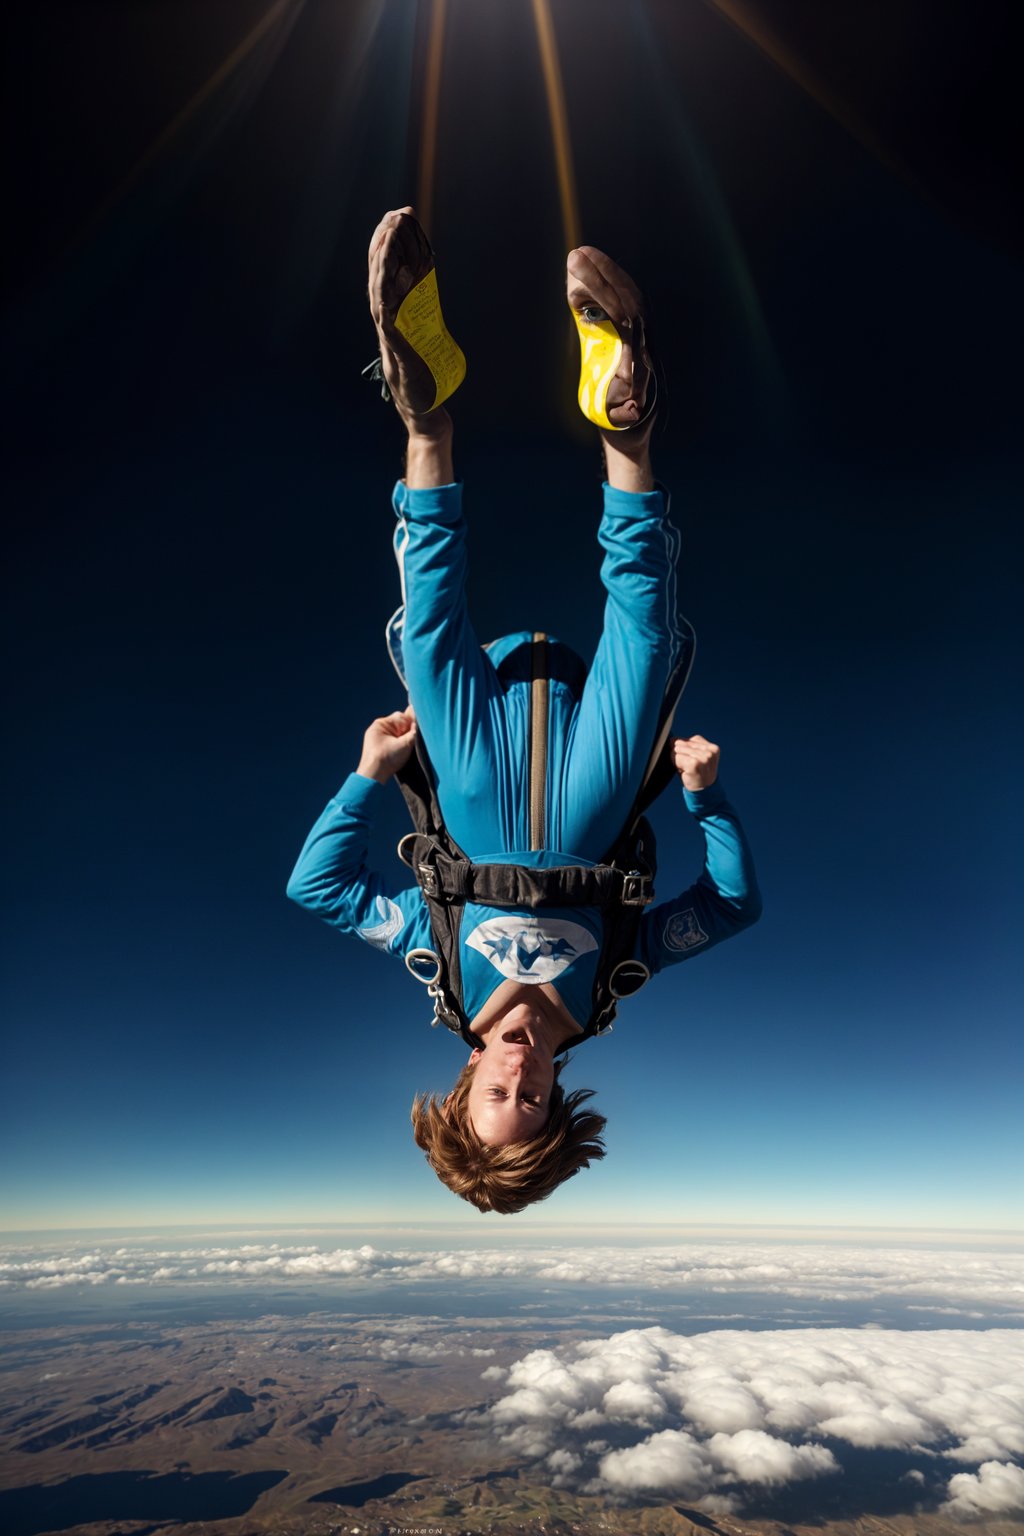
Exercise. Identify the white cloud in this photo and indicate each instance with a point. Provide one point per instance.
(996, 1489)
(701, 1414)
(754, 1457)
(980, 1284)
(422, 1340)
(720, 1504)
(411, 1349)
(66, 1276)
(671, 1461)
(633, 1400)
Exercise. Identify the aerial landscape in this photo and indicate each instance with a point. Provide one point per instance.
(721, 1387)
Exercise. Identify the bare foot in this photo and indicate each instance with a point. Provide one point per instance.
(598, 289)
(399, 258)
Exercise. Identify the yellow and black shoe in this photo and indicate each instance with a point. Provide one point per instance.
(420, 365)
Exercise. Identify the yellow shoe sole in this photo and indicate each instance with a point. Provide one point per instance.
(420, 321)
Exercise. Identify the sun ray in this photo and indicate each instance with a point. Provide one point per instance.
(705, 188)
(348, 129)
(756, 31)
(559, 118)
(283, 13)
(431, 107)
(107, 241)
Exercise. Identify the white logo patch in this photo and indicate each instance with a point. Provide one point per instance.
(381, 934)
(682, 931)
(530, 949)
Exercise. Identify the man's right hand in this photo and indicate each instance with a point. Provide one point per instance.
(387, 745)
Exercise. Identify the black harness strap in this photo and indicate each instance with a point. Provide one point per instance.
(447, 879)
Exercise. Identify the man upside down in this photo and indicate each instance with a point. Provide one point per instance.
(530, 927)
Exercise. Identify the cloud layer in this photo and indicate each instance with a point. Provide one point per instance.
(704, 1417)
(996, 1489)
(934, 1281)
(717, 1418)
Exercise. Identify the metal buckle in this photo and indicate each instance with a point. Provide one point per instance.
(626, 972)
(430, 884)
(417, 957)
(636, 889)
(443, 1013)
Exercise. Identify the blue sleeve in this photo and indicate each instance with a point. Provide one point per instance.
(725, 899)
(332, 879)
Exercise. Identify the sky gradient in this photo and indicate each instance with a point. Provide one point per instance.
(195, 615)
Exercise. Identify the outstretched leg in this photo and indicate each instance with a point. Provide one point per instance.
(453, 688)
(613, 732)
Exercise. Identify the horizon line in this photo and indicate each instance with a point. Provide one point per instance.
(439, 1225)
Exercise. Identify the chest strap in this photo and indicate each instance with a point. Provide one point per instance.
(442, 878)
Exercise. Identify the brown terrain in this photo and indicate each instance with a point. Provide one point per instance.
(323, 1424)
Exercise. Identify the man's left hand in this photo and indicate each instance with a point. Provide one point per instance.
(388, 744)
(696, 761)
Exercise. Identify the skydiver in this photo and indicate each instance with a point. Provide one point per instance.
(523, 779)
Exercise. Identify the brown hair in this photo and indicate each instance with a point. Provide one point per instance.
(508, 1178)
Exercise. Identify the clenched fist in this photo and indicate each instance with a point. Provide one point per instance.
(387, 745)
(696, 761)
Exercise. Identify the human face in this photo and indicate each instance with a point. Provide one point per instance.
(510, 1095)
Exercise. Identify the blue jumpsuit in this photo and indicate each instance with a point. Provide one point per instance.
(473, 710)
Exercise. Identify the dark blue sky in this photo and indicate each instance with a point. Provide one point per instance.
(199, 490)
